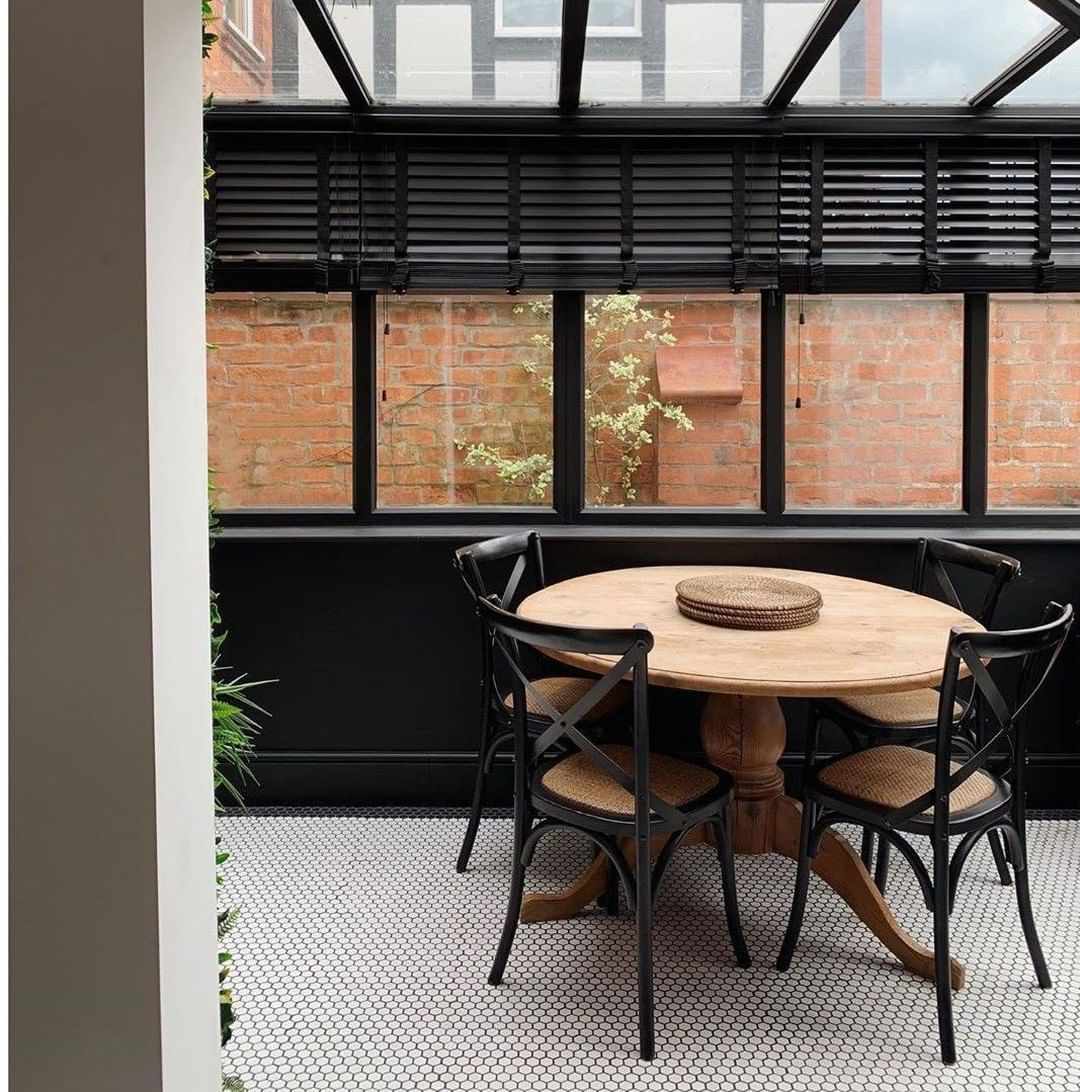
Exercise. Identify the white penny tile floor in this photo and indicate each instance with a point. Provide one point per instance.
(362, 957)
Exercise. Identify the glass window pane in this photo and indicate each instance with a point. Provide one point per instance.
(464, 401)
(664, 51)
(1058, 82)
(454, 50)
(922, 50)
(673, 400)
(880, 379)
(1034, 437)
(265, 53)
(279, 397)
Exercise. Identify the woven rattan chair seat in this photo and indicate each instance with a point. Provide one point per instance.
(892, 776)
(564, 691)
(575, 781)
(912, 707)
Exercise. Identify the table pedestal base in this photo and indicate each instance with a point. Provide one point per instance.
(746, 736)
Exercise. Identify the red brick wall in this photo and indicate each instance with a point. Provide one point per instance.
(879, 425)
(234, 70)
(279, 395)
(450, 372)
(881, 417)
(1034, 439)
(717, 462)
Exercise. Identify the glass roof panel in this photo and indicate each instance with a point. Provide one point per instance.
(1057, 82)
(264, 53)
(454, 51)
(922, 51)
(663, 51)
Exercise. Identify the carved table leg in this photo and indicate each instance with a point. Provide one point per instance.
(746, 736)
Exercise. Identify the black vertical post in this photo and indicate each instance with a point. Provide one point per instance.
(773, 303)
(364, 358)
(976, 401)
(569, 404)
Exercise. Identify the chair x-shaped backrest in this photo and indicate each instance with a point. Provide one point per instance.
(631, 647)
(934, 557)
(1039, 649)
(472, 561)
(524, 548)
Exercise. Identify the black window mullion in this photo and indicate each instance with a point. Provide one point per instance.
(773, 367)
(568, 335)
(976, 384)
(364, 357)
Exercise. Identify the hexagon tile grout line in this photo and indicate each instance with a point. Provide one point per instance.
(361, 959)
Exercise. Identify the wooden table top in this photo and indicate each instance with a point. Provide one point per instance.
(869, 639)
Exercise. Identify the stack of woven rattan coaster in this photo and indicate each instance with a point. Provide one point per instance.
(748, 602)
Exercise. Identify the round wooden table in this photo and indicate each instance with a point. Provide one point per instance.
(869, 639)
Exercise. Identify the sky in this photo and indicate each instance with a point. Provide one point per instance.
(946, 50)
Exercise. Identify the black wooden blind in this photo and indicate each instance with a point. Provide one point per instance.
(814, 215)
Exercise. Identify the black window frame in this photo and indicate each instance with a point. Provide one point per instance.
(568, 442)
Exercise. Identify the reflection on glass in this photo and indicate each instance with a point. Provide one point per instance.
(922, 50)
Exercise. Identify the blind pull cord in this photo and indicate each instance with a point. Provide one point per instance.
(798, 355)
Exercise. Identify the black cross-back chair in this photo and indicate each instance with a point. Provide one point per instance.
(911, 716)
(496, 698)
(609, 793)
(892, 789)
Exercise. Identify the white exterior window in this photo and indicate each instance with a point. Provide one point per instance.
(543, 18)
(240, 15)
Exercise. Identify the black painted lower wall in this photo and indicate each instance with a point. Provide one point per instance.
(373, 645)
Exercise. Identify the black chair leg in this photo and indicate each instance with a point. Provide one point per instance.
(513, 914)
(881, 867)
(474, 813)
(942, 967)
(643, 898)
(731, 902)
(1000, 858)
(867, 850)
(1023, 902)
(802, 885)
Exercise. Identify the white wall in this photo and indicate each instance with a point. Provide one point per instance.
(114, 966)
(786, 25)
(434, 52)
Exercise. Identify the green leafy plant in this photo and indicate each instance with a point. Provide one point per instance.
(208, 36)
(226, 919)
(621, 409)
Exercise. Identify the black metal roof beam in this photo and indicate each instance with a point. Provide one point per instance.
(575, 20)
(1066, 12)
(325, 32)
(1025, 66)
(296, 120)
(833, 16)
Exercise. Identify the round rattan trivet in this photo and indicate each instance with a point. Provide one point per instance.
(748, 601)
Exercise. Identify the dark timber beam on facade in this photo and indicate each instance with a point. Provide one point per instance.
(575, 20)
(827, 26)
(1066, 12)
(324, 31)
(1025, 66)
